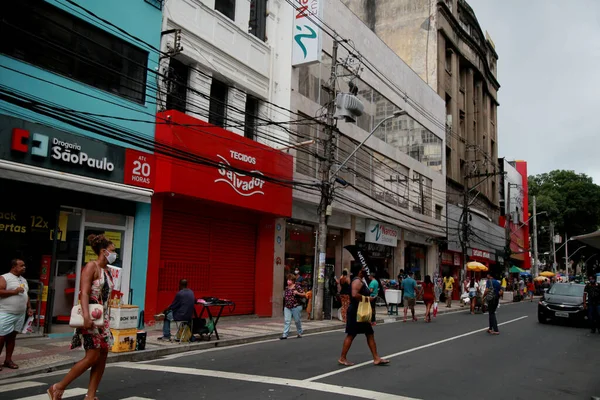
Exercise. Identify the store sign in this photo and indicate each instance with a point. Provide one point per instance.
(41, 146)
(232, 169)
(456, 259)
(481, 254)
(382, 233)
(307, 35)
(447, 258)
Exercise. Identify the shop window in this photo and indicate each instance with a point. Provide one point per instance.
(299, 249)
(226, 7)
(251, 117)
(218, 103)
(258, 18)
(177, 82)
(52, 39)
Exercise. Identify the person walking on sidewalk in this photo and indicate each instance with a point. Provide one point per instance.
(448, 288)
(374, 289)
(14, 304)
(492, 296)
(473, 292)
(591, 302)
(530, 289)
(359, 289)
(292, 307)
(96, 285)
(428, 296)
(409, 285)
(344, 294)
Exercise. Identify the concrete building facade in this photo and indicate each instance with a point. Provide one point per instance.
(443, 42)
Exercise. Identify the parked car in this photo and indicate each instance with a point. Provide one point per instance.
(562, 302)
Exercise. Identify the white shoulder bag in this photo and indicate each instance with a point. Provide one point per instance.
(96, 314)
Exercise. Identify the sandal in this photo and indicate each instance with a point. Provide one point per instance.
(382, 362)
(54, 393)
(10, 364)
(345, 363)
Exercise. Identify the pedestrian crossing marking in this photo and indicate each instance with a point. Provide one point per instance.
(68, 393)
(136, 398)
(20, 385)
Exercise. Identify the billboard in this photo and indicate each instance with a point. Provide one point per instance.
(306, 48)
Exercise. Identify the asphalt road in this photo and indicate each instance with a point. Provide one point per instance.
(451, 358)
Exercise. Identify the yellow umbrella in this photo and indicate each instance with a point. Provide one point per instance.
(476, 266)
(547, 274)
(541, 278)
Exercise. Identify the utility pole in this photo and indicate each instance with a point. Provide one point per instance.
(326, 192)
(566, 257)
(553, 247)
(465, 230)
(535, 243)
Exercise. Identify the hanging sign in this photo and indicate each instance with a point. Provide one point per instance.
(307, 34)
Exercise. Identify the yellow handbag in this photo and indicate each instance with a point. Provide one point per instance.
(365, 311)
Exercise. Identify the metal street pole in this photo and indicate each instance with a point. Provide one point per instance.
(553, 247)
(535, 242)
(326, 194)
(567, 257)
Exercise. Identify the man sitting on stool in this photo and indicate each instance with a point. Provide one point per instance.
(182, 309)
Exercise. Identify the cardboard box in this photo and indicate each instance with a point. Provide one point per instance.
(124, 340)
(124, 317)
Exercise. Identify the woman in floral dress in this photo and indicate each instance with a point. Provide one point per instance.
(96, 285)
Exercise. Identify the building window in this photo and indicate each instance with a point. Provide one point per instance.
(258, 18)
(438, 212)
(449, 54)
(218, 103)
(226, 7)
(177, 81)
(52, 39)
(250, 120)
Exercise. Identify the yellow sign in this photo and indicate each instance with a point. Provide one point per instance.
(45, 293)
(89, 255)
(114, 237)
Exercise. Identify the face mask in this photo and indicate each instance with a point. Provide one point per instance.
(111, 257)
(296, 272)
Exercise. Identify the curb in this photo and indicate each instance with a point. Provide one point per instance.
(152, 354)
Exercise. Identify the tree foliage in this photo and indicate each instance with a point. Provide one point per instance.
(571, 201)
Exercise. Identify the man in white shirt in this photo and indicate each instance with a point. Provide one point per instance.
(14, 305)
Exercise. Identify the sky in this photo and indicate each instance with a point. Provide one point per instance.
(549, 73)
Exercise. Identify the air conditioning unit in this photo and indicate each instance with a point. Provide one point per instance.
(348, 107)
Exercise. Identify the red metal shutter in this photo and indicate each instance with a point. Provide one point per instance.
(217, 257)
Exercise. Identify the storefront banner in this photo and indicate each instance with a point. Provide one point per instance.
(480, 254)
(45, 147)
(231, 169)
(382, 233)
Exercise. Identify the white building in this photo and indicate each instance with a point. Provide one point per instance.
(399, 174)
(237, 52)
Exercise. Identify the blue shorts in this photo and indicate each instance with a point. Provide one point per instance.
(10, 323)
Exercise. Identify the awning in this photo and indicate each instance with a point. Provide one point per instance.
(591, 239)
(63, 180)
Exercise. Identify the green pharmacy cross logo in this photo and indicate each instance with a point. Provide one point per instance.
(300, 36)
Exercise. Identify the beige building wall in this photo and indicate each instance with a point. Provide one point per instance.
(441, 40)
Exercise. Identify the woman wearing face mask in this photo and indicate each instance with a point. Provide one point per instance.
(292, 307)
(96, 285)
(359, 289)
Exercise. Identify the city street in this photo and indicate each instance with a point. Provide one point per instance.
(451, 358)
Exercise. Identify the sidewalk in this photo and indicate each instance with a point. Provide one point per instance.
(43, 354)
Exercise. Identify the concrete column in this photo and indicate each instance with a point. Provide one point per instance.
(237, 100)
(278, 267)
(479, 134)
(432, 260)
(399, 255)
(197, 104)
(349, 238)
(470, 117)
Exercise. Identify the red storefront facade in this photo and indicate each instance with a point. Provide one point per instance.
(214, 218)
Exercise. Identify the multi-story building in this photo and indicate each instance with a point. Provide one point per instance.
(77, 97)
(390, 200)
(443, 42)
(514, 209)
(217, 217)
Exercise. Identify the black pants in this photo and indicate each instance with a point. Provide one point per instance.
(492, 307)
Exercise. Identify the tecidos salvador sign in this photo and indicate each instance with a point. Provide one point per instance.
(382, 233)
(242, 184)
(41, 146)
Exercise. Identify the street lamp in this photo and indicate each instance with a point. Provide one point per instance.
(567, 259)
(396, 114)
